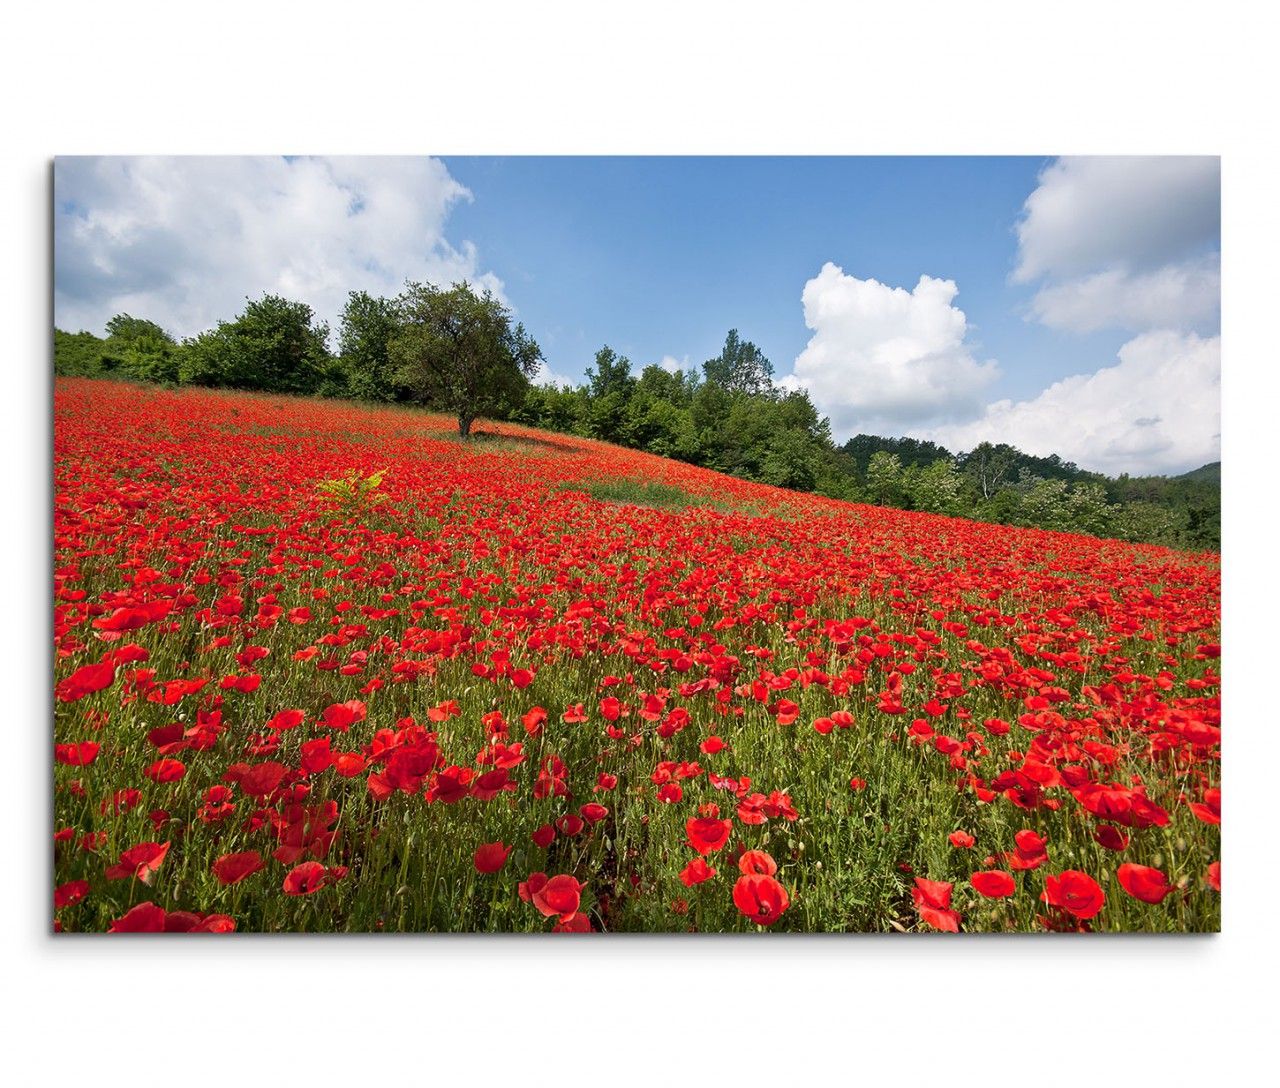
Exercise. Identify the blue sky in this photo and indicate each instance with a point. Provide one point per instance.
(1068, 306)
(663, 256)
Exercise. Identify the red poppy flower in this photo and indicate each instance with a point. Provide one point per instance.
(76, 755)
(261, 779)
(569, 824)
(64, 895)
(491, 857)
(757, 863)
(144, 918)
(166, 770)
(561, 895)
(1213, 876)
(761, 898)
(286, 719)
(316, 755)
(534, 720)
(932, 893)
(593, 813)
(786, 711)
(1031, 851)
(91, 841)
(244, 684)
(555, 895)
(933, 903)
(182, 921)
(215, 923)
(1029, 843)
(139, 861)
(751, 809)
(706, 835)
(1142, 882)
(993, 884)
(1110, 837)
(1210, 810)
(310, 877)
(169, 738)
(651, 707)
(349, 764)
(442, 712)
(961, 840)
(450, 785)
(341, 716)
(696, 872)
(544, 836)
(574, 923)
(946, 921)
(528, 887)
(492, 783)
(85, 681)
(1075, 892)
(233, 868)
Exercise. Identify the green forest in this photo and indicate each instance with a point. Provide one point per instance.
(456, 351)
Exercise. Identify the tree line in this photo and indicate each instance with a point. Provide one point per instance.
(457, 350)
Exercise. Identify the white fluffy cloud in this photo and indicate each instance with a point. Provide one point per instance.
(1123, 242)
(883, 358)
(1140, 211)
(672, 365)
(1156, 411)
(1176, 296)
(183, 241)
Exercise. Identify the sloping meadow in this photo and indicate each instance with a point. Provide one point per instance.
(324, 667)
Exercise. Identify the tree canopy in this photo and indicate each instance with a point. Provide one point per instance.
(366, 329)
(741, 367)
(272, 346)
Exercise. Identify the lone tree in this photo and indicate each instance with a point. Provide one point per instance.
(457, 351)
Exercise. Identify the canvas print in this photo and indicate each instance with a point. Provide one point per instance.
(636, 545)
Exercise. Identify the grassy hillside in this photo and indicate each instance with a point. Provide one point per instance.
(327, 667)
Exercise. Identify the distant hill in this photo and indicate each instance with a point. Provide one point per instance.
(1205, 474)
(1183, 511)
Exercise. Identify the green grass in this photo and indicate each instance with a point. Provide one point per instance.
(626, 491)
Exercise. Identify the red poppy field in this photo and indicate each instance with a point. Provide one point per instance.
(323, 667)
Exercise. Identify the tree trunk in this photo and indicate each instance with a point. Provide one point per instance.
(464, 426)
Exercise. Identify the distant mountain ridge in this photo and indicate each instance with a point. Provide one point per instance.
(1208, 474)
(922, 453)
